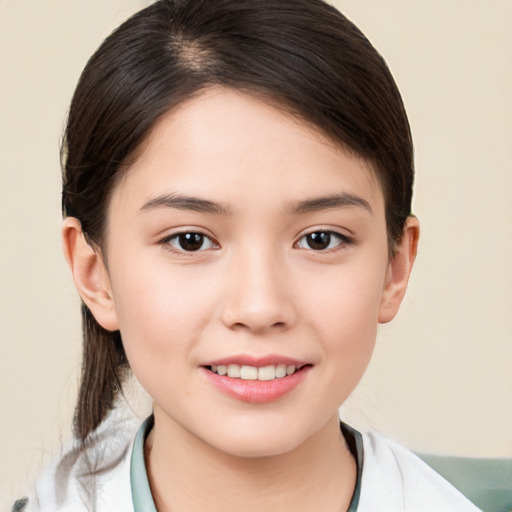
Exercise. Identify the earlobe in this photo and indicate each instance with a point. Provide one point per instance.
(399, 270)
(89, 274)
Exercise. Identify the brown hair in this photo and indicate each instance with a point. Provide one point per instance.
(303, 54)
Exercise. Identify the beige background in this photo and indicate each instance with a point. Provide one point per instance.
(441, 377)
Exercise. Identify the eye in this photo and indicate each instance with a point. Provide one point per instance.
(322, 240)
(189, 242)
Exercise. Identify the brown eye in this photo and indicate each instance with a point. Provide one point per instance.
(322, 240)
(189, 242)
(319, 240)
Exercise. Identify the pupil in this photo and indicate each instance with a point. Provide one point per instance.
(319, 240)
(191, 241)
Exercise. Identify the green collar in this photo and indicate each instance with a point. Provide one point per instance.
(354, 441)
(141, 491)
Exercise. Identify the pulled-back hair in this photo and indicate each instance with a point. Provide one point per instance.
(302, 54)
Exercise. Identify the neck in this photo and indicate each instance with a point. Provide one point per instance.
(187, 474)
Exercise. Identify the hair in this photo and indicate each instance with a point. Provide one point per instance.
(303, 55)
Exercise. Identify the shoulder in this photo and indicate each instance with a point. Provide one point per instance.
(95, 476)
(394, 479)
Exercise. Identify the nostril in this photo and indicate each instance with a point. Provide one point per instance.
(255, 327)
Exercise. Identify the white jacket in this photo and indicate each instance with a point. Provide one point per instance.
(97, 479)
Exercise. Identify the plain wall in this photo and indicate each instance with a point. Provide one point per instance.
(441, 378)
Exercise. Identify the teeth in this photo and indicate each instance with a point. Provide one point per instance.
(267, 373)
(249, 373)
(280, 371)
(246, 372)
(234, 371)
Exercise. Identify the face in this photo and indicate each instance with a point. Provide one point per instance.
(243, 241)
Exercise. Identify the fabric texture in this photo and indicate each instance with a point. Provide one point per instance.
(394, 479)
(95, 478)
(98, 476)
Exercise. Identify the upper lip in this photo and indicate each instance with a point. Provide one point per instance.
(257, 361)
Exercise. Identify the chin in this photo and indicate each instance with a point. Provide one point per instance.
(257, 439)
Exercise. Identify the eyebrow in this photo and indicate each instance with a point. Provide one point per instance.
(332, 201)
(181, 202)
(200, 205)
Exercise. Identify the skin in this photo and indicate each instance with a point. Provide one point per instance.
(256, 287)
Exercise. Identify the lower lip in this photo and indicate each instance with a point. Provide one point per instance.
(256, 391)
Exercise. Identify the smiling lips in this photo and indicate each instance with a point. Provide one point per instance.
(256, 383)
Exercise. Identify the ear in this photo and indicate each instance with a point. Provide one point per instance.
(89, 273)
(399, 270)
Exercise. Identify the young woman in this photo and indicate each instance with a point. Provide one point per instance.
(237, 180)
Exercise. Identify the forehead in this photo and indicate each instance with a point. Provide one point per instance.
(224, 140)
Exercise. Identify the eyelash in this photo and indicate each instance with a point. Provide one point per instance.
(325, 236)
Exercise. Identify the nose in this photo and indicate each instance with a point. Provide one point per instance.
(259, 295)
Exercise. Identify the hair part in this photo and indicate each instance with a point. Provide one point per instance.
(302, 54)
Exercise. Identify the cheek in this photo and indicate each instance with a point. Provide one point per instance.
(343, 310)
(160, 315)
(347, 298)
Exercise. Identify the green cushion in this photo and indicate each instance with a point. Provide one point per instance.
(486, 482)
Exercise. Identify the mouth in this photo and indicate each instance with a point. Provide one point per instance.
(256, 383)
(261, 373)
